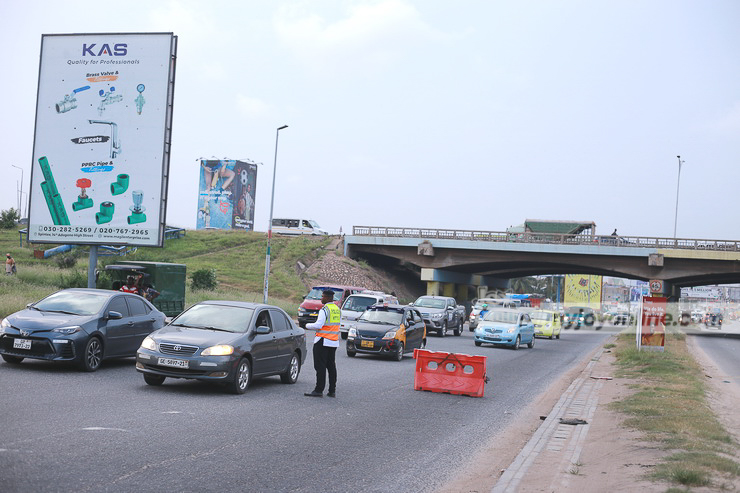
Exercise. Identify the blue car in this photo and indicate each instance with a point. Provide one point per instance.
(505, 327)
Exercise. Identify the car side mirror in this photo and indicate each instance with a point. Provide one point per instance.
(262, 329)
(114, 315)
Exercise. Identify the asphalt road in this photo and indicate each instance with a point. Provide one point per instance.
(723, 350)
(63, 430)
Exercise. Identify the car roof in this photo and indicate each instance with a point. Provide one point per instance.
(240, 304)
(107, 292)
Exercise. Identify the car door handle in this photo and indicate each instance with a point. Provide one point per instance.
(130, 323)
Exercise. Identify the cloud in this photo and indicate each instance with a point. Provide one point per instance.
(371, 35)
(252, 107)
(729, 122)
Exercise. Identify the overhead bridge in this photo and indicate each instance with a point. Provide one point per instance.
(491, 258)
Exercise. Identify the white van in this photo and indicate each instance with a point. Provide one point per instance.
(297, 227)
(356, 303)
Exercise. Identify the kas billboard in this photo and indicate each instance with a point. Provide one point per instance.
(101, 146)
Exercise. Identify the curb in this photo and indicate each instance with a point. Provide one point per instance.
(566, 442)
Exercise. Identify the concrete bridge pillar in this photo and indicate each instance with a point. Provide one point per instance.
(433, 288)
(448, 289)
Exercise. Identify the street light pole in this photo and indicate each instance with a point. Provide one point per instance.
(20, 192)
(678, 185)
(269, 224)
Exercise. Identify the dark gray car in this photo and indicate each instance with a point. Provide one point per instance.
(224, 341)
(80, 325)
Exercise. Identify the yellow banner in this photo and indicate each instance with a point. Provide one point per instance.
(582, 290)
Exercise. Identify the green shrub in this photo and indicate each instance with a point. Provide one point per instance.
(67, 260)
(75, 279)
(203, 279)
(8, 218)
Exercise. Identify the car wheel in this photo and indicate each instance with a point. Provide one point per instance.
(552, 334)
(155, 380)
(478, 343)
(443, 329)
(242, 376)
(351, 354)
(93, 355)
(291, 374)
(557, 336)
(344, 335)
(530, 344)
(12, 359)
(399, 354)
(459, 328)
(517, 343)
(423, 344)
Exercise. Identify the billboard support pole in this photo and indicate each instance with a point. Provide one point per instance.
(92, 263)
(269, 224)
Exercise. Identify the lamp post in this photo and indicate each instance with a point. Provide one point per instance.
(269, 224)
(678, 184)
(20, 192)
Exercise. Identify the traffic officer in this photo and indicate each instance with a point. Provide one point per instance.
(325, 345)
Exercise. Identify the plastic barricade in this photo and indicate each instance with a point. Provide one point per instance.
(450, 373)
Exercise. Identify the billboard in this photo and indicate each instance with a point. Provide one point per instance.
(101, 144)
(582, 290)
(226, 194)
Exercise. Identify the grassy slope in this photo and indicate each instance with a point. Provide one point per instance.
(237, 257)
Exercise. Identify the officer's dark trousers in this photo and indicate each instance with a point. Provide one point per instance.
(323, 361)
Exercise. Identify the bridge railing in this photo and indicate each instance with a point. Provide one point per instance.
(549, 238)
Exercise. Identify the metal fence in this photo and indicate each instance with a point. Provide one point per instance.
(548, 238)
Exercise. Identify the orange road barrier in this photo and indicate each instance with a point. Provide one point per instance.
(451, 373)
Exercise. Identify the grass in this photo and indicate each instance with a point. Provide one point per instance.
(237, 257)
(670, 406)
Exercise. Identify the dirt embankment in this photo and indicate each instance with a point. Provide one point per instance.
(335, 268)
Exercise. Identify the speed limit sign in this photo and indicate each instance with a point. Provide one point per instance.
(656, 286)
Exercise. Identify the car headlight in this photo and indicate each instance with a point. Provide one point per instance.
(4, 325)
(547, 326)
(301, 312)
(390, 334)
(352, 331)
(512, 330)
(437, 316)
(67, 330)
(148, 343)
(220, 350)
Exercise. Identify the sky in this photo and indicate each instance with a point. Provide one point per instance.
(470, 115)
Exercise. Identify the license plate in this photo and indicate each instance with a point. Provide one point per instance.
(175, 363)
(21, 343)
(367, 344)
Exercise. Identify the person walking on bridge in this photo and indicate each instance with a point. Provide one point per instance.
(325, 345)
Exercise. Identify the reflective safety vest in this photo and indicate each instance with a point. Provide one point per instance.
(330, 329)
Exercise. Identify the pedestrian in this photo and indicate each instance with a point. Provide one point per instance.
(130, 286)
(149, 292)
(614, 233)
(9, 265)
(325, 345)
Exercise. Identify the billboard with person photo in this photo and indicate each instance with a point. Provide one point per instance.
(226, 194)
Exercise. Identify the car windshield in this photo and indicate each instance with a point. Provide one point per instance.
(73, 302)
(315, 294)
(540, 316)
(358, 303)
(501, 317)
(381, 316)
(314, 224)
(219, 317)
(429, 303)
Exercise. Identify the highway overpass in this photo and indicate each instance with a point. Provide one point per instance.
(450, 260)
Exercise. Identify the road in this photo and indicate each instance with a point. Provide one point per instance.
(723, 350)
(63, 430)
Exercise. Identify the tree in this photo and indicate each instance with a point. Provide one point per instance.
(8, 218)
